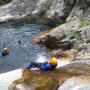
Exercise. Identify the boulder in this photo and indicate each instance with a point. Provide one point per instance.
(59, 37)
(76, 83)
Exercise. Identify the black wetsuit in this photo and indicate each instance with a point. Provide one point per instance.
(5, 53)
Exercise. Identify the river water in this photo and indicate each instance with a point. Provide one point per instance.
(18, 38)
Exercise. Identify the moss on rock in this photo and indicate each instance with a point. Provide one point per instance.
(84, 24)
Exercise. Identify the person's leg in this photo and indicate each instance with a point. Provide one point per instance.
(34, 64)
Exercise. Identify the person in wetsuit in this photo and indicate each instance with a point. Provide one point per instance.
(46, 66)
(5, 51)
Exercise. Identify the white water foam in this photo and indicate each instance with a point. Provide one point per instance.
(41, 58)
(62, 63)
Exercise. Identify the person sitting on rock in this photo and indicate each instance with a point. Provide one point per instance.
(46, 66)
(5, 51)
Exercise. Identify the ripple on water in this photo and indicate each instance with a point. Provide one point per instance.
(20, 53)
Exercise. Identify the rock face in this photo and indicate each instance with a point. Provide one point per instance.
(80, 10)
(16, 9)
(36, 80)
(76, 83)
(54, 6)
(66, 36)
(59, 37)
(74, 12)
(64, 8)
(70, 9)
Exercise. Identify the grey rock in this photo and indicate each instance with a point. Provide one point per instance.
(80, 10)
(62, 9)
(16, 9)
(76, 83)
(59, 37)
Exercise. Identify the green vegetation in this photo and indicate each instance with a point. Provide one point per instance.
(2, 2)
(73, 34)
(84, 23)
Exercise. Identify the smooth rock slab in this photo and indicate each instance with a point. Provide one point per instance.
(51, 80)
(7, 78)
(76, 83)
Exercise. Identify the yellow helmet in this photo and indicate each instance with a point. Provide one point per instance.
(5, 49)
(53, 61)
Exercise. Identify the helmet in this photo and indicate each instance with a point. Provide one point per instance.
(53, 61)
(5, 49)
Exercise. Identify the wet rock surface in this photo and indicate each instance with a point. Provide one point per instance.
(36, 80)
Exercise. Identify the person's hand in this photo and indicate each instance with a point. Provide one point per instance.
(48, 61)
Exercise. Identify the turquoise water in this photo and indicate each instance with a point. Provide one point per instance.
(23, 52)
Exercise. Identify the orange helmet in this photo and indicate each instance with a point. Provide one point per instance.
(53, 61)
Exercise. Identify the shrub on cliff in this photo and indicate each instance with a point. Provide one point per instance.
(2, 2)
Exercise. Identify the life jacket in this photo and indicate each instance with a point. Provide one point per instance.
(47, 66)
